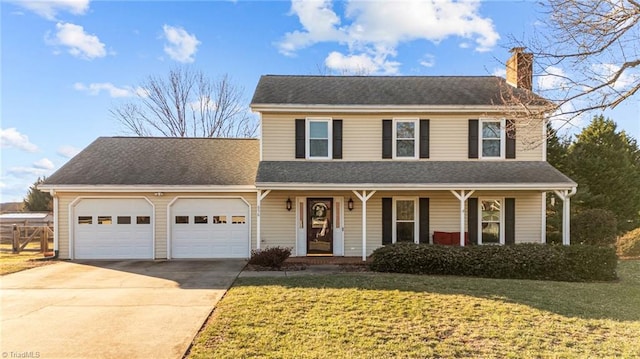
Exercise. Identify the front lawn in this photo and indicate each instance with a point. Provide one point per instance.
(15, 262)
(367, 315)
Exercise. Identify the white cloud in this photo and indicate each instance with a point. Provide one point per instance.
(181, 45)
(113, 90)
(500, 72)
(44, 163)
(376, 28)
(67, 151)
(553, 78)
(27, 171)
(79, 43)
(50, 8)
(607, 71)
(11, 138)
(362, 64)
(428, 60)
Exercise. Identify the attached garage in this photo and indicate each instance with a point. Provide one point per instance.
(209, 228)
(113, 228)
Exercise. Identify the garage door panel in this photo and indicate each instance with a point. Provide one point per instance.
(211, 239)
(115, 238)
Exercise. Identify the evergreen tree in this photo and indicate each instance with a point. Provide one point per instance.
(37, 200)
(606, 165)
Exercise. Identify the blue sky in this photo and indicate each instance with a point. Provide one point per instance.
(65, 63)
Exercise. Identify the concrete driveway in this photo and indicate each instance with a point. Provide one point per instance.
(110, 309)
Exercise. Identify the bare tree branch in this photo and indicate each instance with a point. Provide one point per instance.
(187, 104)
(587, 55)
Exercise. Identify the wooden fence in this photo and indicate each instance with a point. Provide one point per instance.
(22, 235)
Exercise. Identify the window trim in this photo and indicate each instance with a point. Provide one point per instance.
(416, 138)
(503, 137)
(394, 218)
(329, 122)
(502, 220)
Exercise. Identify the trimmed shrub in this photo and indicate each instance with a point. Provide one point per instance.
(628, 244)
(272, 257)
(521, 261)
(594, 226)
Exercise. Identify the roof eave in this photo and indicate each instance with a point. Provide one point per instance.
(316, 108)
(420, 186)
(146, 188)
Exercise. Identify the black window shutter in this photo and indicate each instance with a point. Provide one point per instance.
(424, 138)
(511, 139)
(424, 220)
(300, 138)
(337, 139)
(509, 220)
(472, 220)
(473, 138)
(387, 220)
(387, 138)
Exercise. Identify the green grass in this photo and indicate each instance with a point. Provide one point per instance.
(365, 315)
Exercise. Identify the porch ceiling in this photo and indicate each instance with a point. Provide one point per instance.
(411, 175)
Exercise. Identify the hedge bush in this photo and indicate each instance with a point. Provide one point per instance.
(594, 226)
(272, 257)
(521, 261)
(628, 244)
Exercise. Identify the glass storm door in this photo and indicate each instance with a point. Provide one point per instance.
(319, 226)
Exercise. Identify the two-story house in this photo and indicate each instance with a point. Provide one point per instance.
(344, 165)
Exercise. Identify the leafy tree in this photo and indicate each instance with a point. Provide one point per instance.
(37, 200)
(187, 103)
(557, 149)
(605, 164)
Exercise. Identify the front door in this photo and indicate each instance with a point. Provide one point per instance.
(319, 226)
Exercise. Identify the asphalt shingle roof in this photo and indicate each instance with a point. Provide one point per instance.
(409, 172)
(162, 161)
(381, 90)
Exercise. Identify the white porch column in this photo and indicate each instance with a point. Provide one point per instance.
(565, 196)
(364, 197)
(260, 195)
(462, 197)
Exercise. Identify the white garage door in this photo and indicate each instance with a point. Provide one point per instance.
(113, 228)
(209, 228)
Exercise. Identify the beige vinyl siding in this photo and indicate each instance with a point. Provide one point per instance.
(160, 204)
(529, 141)
(362, 136)
(277, 225)
(278, 137)
(448, 138)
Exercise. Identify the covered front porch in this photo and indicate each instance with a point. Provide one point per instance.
(346, 216)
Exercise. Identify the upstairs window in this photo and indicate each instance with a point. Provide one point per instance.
(318, 138)
(404, 138)
(492, 136)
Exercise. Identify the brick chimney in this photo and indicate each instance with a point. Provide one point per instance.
(520, 68)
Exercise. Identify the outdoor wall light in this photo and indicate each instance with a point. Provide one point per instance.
(350, 204)
(288, 204)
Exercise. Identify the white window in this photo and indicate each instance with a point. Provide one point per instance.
(492, 135)
(319, 134)
(405, 225)
(491, 218)
(404, 138)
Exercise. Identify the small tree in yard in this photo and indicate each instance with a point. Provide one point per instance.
(36, 200)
